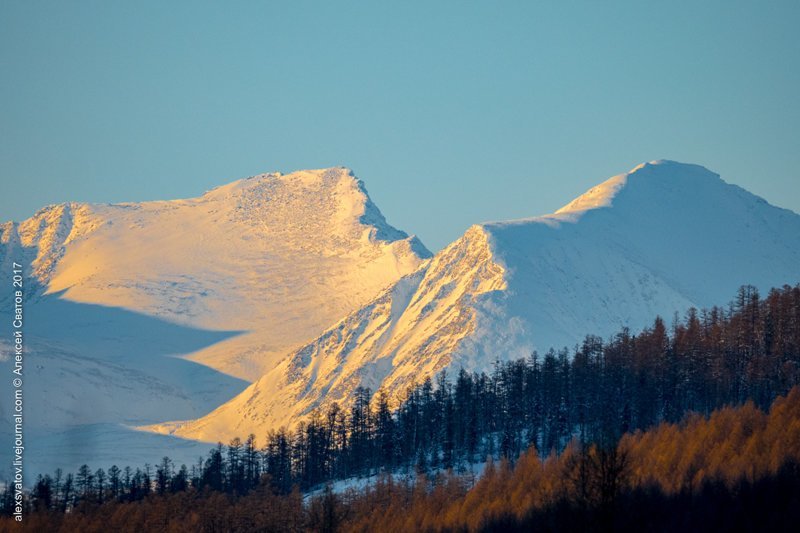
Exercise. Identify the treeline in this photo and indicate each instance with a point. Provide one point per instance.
(737, 470)
(600, 390)
(595, 393)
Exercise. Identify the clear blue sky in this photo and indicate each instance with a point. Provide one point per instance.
(451, 113)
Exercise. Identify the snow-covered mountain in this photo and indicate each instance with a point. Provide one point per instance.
(654, 241)
(280, 255)
(140, 313)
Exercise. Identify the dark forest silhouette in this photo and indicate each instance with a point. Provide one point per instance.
(584, 408)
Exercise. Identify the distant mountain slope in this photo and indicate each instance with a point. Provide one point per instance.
(128, 305)
(654, 241)
(280, 255)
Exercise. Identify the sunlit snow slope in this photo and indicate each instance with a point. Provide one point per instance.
(230, 282)
(654, 241)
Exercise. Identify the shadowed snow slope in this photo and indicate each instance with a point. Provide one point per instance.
(654, 241)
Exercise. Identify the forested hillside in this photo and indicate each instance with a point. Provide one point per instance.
(583, 409)
(737, 470)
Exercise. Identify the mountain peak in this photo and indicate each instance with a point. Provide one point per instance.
(669, 169)
(328, 201)
(665, 172)
(313, 178)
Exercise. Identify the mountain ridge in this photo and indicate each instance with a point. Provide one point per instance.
(661, 238)
(292, 290)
